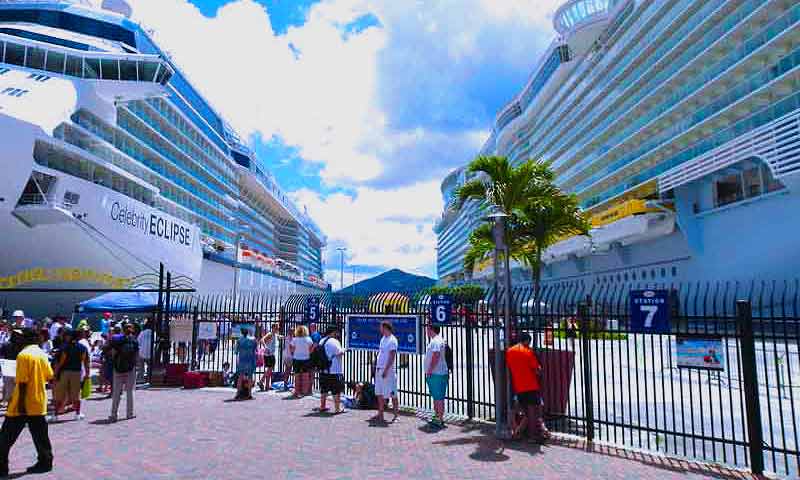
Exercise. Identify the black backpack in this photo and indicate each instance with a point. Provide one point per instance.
(319, 359)
(448, 356)
(127, 351)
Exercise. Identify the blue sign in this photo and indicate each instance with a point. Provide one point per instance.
(441, 309)
(312, 310)
(650, 311)
(363, 332)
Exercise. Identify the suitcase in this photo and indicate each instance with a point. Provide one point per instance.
(215, 379)
(174, 374)
(194, 380)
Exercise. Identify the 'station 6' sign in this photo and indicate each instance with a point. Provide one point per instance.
(650, 311)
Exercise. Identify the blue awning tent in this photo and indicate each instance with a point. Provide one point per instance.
(127, 302)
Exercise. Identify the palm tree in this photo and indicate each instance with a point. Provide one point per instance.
(544, 221)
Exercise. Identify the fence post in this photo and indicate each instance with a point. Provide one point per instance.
(470, 368)
(194, 338)
(586, 361)
(744, 318)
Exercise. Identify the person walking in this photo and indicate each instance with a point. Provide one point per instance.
(245, 365)
(73, 359)
(437, 375)
(525, 368)
(28, 405)
(270, 342)
(301, 347)
(385, 372)
(124, 356)
(331, 380)
(286, 357)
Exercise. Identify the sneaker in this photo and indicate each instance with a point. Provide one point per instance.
(79, 417)
(39, 468)
(52, 419)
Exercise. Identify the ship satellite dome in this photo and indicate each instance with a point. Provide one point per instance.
(121, 7)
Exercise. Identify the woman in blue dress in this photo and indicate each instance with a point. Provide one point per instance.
(245, 365)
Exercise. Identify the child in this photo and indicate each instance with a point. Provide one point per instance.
(227, 374)
(363, 396)
(287, 359)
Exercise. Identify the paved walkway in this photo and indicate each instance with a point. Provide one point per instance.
(198, 435)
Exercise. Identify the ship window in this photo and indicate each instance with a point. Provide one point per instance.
(15, 54)
(71, 198)
(674, 271)
(74, 66)
(751, 178)
(127, 70)
(91, 68)
(110, 69)
(35, 58)
(55, 62)
(728, 189)
(147, 70)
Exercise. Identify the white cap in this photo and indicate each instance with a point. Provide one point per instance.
(18, 313)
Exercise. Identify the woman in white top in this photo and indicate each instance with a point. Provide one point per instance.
(270, 344)
(301, 347)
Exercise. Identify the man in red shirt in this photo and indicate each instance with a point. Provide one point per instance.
(524, 368)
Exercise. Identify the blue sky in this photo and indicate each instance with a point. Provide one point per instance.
(359, 107)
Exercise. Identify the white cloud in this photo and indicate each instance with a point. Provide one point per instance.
(398, 104)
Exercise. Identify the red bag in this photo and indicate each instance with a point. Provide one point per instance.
(260, 352)
(194, 380)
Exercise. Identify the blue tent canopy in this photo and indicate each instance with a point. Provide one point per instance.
(127, 302)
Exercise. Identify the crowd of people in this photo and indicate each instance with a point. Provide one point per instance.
(54, 355)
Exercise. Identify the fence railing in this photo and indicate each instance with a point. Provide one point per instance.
(602, 379)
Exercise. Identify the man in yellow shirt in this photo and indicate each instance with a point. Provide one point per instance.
(28, 405)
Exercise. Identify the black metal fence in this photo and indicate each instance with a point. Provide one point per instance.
(601, 379)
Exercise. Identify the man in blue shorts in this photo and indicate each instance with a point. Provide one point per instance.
(437, 375)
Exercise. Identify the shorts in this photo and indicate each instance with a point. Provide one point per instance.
(529, 399)
(331, 383)
(301, 366)
(385, 387)
(437, 385)
(68, 387)
(269, 361)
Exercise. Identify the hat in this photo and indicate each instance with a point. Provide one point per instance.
(106, 314)
(18, 313)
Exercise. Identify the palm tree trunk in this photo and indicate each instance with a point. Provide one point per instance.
(537, 277)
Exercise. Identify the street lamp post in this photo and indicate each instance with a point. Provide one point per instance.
(341, 266)
(502, 332)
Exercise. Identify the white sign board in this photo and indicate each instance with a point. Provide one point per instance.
(8, 368)
(207, 331)
(180, 329)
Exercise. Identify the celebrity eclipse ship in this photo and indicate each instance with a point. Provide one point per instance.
(113, 163)
(677, 125)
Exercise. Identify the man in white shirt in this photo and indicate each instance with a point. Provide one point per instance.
(437, 374)
(145, 340)
(331, 381)
(55, 327)
(385, 373)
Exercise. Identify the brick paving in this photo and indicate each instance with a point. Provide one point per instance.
(197, 434)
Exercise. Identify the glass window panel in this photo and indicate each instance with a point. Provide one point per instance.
(74, 66)
(751, 179)
(728, 189)
(35, 58)
(110, 69)
(91, 68)
(15, 54)
(147, 70)
(164, 75)
(127, 70)
(770, 183)
(55, 62)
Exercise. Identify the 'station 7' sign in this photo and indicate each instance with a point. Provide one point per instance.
(650, 311)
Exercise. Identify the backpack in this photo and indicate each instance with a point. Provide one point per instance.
(448, 356)
(126, 352)
(319, 358)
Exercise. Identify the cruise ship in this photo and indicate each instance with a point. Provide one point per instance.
(677, 125)
(114, 163)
